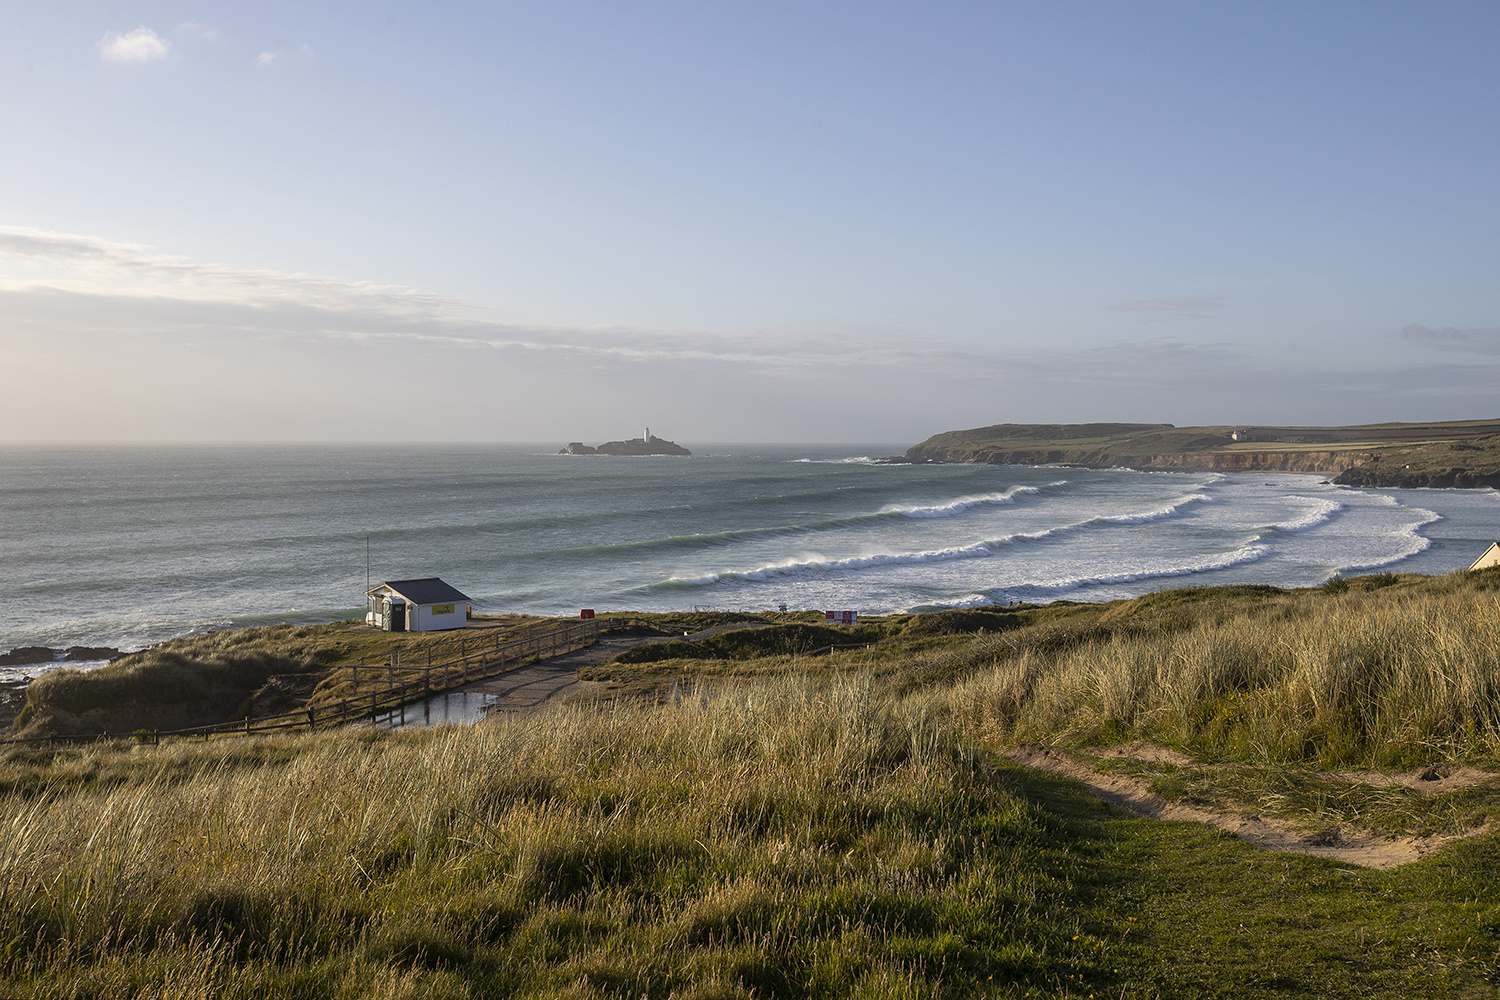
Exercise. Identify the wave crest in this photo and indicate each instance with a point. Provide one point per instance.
(960, 504)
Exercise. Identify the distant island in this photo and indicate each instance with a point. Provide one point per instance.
(1442, 455)
(646, 444)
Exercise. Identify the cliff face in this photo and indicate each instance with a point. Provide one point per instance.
(1311, 462)
(1458, 454)
(1403, 479)
(1323, 463)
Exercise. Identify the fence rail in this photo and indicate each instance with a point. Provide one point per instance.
(392, 685)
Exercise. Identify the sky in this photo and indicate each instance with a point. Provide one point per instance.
(768, 222)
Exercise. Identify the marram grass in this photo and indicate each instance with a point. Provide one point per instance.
(850, 832)
(795, 839)
(1377, 679)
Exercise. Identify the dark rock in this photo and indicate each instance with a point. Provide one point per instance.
(635, 446)
(12, 700)
(29, 654)
(78, 653)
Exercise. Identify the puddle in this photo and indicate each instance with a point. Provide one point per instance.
(452, 708)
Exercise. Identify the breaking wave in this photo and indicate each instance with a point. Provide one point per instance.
(816, 565)
(1170, 510)
(960, 504)
(1250, 552)
(1318, 512)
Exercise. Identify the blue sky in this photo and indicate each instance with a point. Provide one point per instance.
(861, 222)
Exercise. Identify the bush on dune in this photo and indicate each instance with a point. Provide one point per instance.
(746, 644)
(153, 689)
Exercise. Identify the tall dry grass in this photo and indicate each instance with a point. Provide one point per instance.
(1384, 677)
(798, 836)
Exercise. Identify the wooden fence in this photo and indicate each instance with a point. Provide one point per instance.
(394, 684)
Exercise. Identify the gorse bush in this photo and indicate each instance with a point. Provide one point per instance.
(748, 644)
(156, 674)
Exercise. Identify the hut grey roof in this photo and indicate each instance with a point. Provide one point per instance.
(429, 590)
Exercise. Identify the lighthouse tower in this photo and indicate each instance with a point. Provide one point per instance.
(647, 438)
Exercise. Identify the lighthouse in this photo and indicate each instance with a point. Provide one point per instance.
(647, 438)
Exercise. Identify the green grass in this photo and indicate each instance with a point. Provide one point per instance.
(796, 826)
(787, 840)
(1316, 799)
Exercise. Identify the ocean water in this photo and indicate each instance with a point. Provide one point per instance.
(128, 545)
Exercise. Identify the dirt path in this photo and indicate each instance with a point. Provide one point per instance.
(528, 689)
(1355, 848)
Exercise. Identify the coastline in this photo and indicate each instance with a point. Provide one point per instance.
(1452, 455)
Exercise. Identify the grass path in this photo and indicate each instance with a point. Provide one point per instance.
(1185, 910)
(1342, 842)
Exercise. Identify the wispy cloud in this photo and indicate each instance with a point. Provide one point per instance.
(36, 259)
(1485, 341)
(198, 29)
(139, 46)
(156, 344)
(303, 51)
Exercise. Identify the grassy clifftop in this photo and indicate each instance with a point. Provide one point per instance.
(796, 826)
(1444, 454)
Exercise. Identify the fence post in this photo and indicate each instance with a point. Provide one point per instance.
(310, 726)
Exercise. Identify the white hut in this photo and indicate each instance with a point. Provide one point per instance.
(1490, 558)
(426, 605)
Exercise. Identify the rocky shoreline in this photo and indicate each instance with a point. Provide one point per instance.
(648, 444)
(26, 655)
(1376, 478)
(1456, 455)
(13, 692)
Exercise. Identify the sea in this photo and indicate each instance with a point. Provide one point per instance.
(129, 545)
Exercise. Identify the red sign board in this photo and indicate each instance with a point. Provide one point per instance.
(841, 617)
(586, 613)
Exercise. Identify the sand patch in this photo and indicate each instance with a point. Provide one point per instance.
(1340, 843)
(1151, 752)
(1432, 780)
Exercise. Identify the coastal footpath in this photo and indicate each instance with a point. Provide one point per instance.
(1444, 455)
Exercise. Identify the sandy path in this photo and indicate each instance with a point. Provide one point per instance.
(528, 689)
(1357, 848)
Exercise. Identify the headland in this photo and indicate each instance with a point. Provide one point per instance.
(1445, 454)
